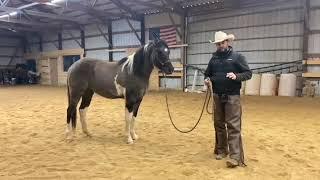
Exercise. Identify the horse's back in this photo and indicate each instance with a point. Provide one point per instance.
(95, 74)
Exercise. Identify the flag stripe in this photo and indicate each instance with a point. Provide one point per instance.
(169, 35)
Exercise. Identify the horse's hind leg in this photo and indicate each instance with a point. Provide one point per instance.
(72, 118)
(85, 102)
(74, 96)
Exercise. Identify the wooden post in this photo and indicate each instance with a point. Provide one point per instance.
(110, 40)
(142, 24)
(60, 41)
(83, 43)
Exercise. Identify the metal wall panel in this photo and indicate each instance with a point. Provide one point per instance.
(232, 13)
(314, 39)
(265, 35)
(314, 43)
(93, 30)
(122, 25)
(34, 48)
(4, 61)
(69, 33)
(125, 39)
(314, 2)
(32, 39)
(5, 41)
(171, 83)
(71, 44)
(7, 51)
(119, 55)
(96, 42)
(50, 37)
(99, 54)
(49, 47)
(314, 19)
(175, 53)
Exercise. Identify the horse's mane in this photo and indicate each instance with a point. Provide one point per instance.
(123, 60)
(140, 52)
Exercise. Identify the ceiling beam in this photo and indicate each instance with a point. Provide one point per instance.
(133, 30)
(10, 9)
(124, 7)
(155, 6)
(93, 12)
(176, 7)
(52, 16)
(30, 23)
(17, 28)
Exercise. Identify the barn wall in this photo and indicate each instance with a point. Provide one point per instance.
(314, 42)
(265, 35)
(11, 51)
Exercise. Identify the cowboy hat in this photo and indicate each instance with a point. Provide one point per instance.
(221, 36)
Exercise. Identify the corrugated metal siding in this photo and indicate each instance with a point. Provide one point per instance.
(8, 51)
(96, 42)
(122, 25)
(265, 35)
(119, 55)
(314, 2)
(125, 39)
(50, 46)
(314, 39)
(99, 54)
(171, 83)
(71, 44)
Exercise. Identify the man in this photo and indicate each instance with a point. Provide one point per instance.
(225, 71)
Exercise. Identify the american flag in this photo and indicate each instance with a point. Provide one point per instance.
(167, 34)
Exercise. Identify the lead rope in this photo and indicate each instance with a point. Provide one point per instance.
(205, 104)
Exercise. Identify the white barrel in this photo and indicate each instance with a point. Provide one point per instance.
(253, 85)
(243, 86)
(287, 85)
(268, 85)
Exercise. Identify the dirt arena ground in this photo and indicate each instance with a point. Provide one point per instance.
(281, 139)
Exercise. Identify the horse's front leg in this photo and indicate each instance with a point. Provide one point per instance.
(128, 119)
(135, 112)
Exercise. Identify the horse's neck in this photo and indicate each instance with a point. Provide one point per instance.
(142, 65)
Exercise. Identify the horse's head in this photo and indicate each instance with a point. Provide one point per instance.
(161, 57)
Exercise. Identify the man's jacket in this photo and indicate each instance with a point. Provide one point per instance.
(222, 63)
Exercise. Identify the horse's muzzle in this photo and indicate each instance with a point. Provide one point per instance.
(168, 68)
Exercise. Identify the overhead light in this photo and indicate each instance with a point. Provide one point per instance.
(10, 14)
(19, 8)
(13, 30)
(54, 2)
(57, 1)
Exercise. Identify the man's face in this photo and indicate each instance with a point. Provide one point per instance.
(222, 46)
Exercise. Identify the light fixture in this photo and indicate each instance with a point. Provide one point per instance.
(8, 15)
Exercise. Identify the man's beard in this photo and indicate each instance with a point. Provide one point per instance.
(222, 50)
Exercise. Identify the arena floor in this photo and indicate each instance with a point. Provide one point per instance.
(281, 139)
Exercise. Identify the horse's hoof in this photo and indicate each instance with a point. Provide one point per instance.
(69, 137)
(135, 137)
(130, 141)
(88, 134)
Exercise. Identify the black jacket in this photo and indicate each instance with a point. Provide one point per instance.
(222, 63)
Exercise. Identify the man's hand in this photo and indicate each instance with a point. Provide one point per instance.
(207, 82)
(231, 75)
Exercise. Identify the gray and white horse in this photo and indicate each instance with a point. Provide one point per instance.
(127, 78)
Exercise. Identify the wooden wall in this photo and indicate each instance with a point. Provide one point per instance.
(50, 65)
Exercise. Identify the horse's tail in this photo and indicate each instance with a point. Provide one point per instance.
(72, 109)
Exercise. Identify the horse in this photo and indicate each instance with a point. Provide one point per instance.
(127, 79)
